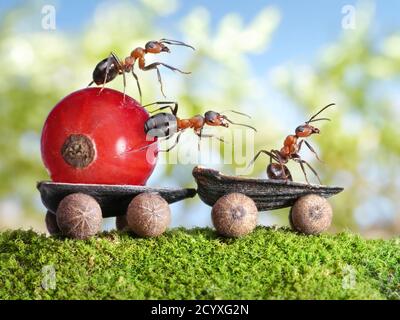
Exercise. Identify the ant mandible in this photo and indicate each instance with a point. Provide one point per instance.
(107, 69)
(166, 125)
(290, 151)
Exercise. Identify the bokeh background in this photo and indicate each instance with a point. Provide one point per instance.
(277, 60)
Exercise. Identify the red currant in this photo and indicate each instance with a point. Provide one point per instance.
(89, 136)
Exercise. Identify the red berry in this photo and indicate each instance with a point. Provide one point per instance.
(86, 137)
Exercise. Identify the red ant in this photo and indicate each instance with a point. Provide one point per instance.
(291, 148)
(107, 69)
(166, 125)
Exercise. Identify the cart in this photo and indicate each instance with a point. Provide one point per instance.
(267, 194)
(113, 199)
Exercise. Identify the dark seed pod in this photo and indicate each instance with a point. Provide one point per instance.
(311, 214)
(51, 224)
(79, 216)
(121, 223)
(234, 215)
(148, 215)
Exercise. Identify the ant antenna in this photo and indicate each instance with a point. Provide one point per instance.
(319, 119)
(240, 124)
(237, 112)
(313, 117)
(175, 42)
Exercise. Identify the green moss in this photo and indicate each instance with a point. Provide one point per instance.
(197, 264)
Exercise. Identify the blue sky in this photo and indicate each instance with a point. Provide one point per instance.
(305, 26)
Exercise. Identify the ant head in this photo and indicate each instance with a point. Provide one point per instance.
(306, 130)
(159, 46)
(155, 47)
(213, 118)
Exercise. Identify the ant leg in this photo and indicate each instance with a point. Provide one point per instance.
(160, 103)
(138, 84)
(155, 66)
(139, 149)
(160, 81)
(162, 108)
(304, 171)
(124, 79)
(121, 70)
(313, 170)
(174, 145)
(206, 135)
(268, 153)
(201, 135)
(211, 136)
(116, 60)
(173, 110)
(311, 149)
(301, 161)
(110, 57)
(90, 83)
(148, 145)
(299, 146)
(198, 141)
(277, 155)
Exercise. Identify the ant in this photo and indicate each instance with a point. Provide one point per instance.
(107, 69)
(291, 148)
(166, 125)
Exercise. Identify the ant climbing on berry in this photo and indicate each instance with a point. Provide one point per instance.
(107, 69)
(165, 125)
(290, 151)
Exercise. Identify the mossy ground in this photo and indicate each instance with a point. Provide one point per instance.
(197, 264)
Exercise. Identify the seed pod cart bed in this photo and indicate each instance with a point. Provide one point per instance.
(112, 199)
(267, 194)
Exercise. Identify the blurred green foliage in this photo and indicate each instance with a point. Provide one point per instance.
(359, 147)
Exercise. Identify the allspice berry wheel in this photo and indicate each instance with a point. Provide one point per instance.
(148, 215)
(79, 216)
(51, 224)
(311, 214)
(234, 215)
